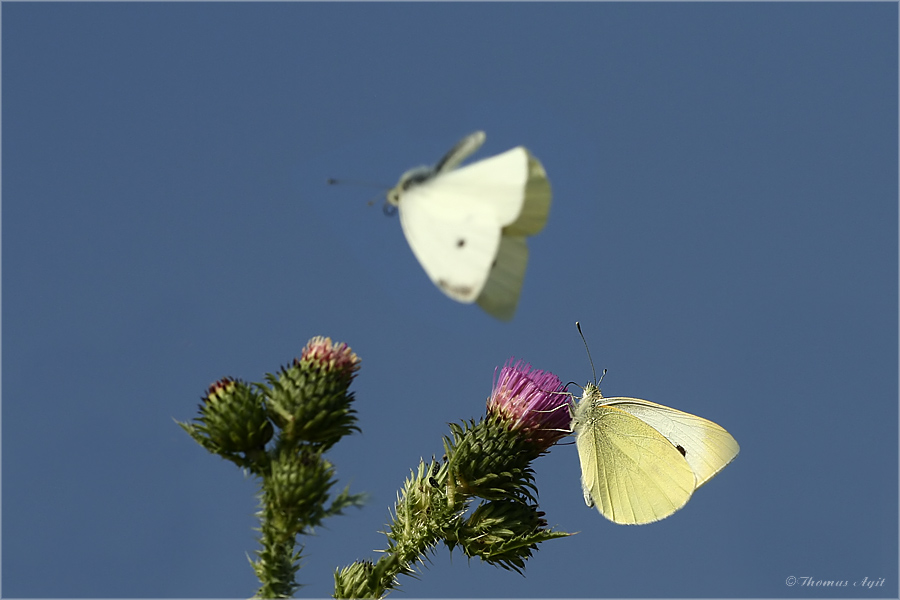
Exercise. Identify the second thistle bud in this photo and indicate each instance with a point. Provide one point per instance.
(232, 419)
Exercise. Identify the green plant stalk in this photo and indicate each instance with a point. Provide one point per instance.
(303, 411)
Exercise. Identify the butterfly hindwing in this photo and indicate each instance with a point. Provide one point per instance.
(500, 294)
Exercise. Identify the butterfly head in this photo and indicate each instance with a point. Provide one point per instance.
(410, 179)
(591, 393)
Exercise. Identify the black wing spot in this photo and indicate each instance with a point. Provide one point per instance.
(681, 449)
(460, 242)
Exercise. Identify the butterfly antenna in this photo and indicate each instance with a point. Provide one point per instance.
(333, 181)
(593, 370)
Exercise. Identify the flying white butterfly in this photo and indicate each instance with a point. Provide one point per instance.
(640, 461)
(467, 226)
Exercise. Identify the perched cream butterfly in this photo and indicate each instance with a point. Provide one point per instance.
(467, 226)
(640, 461)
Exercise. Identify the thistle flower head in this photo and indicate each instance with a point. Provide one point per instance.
(323, 354)
(531, 401)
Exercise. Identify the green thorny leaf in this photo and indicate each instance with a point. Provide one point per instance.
(503, 533)
(421, 511)
(484, 460)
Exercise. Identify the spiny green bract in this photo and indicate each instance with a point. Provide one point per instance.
(298, 488)
(311, 405)
(502, 533)
(489, 460)
(233, 420)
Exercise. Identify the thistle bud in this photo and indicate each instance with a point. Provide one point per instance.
(309, 400)
(355, 581)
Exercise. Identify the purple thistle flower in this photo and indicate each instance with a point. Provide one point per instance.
(533, 402)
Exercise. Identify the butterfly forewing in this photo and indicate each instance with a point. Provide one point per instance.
(708, 448)
(455, 247)
(460, 152)
(498, 181)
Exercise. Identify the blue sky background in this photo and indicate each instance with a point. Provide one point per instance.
(724, 226)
